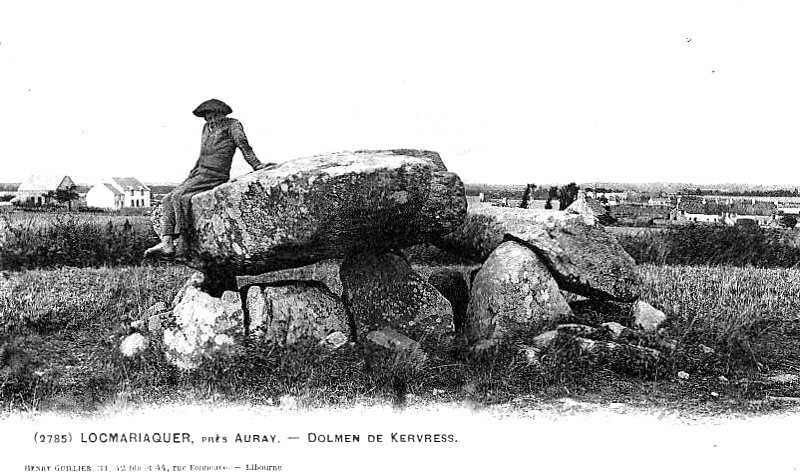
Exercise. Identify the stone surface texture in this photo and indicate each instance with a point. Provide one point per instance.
(647, 318)
(383, 291)
(584, 259)
(206, 327)
(133, 345)
(389, 350)
(296, 312)
(326, 272)
(512, 293)
(324, 207)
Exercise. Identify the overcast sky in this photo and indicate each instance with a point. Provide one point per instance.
(506, 92)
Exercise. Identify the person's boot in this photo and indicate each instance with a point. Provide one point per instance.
(166, 248)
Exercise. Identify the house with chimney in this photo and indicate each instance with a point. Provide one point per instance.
(41, 189)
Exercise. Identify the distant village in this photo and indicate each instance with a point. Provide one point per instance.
(646, 209)
(616, 207)
(60, 191)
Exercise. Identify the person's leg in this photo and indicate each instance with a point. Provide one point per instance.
(170, 214)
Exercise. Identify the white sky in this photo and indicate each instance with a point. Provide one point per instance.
(506, 92)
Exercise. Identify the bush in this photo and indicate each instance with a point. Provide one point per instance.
(66, 240)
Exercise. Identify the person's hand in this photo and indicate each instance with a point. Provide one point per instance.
(265, 165)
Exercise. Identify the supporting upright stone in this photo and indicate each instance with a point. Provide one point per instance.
(382, 290)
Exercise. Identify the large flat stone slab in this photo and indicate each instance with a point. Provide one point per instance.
(324, 207)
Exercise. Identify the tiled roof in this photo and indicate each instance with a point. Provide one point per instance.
(113, 189)
(129, 183)
(36, 183)
(739, 208)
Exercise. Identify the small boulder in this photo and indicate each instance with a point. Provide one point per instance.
(383, 291)
(512, 293)
(615, 329)
(647, 318)
(133, 345)
(155, 324)
(206, 327)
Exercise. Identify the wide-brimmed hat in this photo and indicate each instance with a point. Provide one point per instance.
(212, 106)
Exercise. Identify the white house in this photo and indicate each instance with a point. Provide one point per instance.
(103, 195)
(119, 192)
(40, 189)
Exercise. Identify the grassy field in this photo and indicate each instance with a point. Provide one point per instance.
(30, 240)
(60, 329)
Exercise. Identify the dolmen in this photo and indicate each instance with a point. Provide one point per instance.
(358, 209)
(311, 251)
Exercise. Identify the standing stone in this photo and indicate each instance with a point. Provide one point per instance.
(206, 327)
(381, 290)
(647, 318)
(512, 293)
(296, 312)
(451, 284)
(324, 207)
(584, 259)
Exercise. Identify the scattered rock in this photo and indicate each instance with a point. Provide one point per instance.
(133, 345)
(324, 207)
(451, 284)
(295, 312)
(584, 259)
(513, 293)
(615, 329)
(577, 329)
(706, 349)
(381, 290)
(335, 340)
(206, 327)
(647, 318)
(154, 324)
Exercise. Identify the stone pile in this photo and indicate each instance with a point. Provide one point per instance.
(541, 272)
(268, 246)
(310, 253)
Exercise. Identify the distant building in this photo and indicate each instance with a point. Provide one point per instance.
(8, 190)
(703, 211)
(119, 192)
(40, 189)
